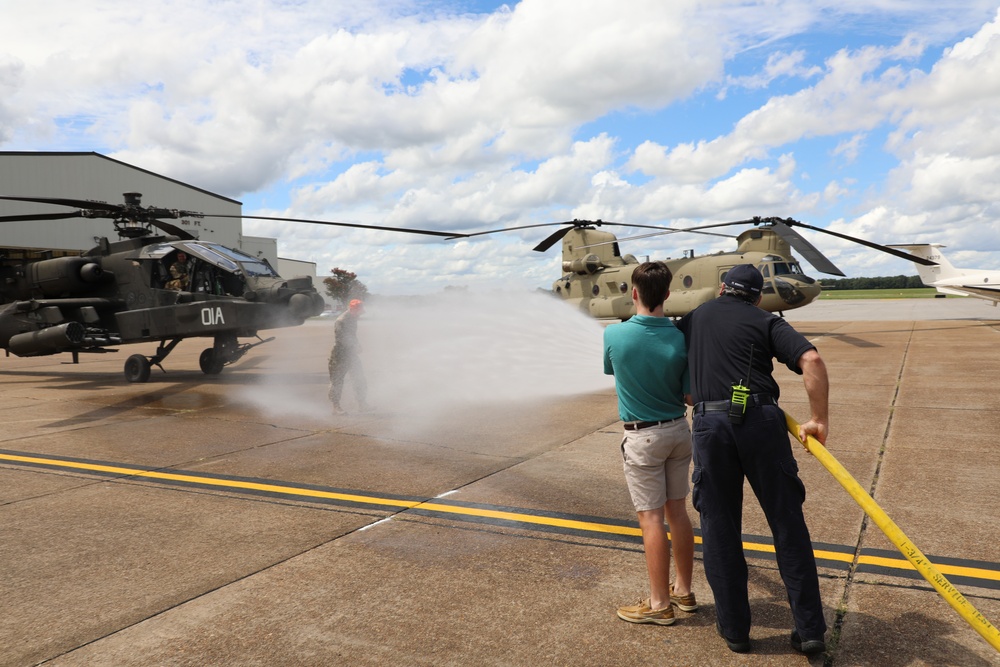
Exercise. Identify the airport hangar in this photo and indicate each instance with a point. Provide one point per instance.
(96, 177)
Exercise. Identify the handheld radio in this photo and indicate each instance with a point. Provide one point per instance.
(740, 395)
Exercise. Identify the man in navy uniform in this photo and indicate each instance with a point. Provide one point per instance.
(737, 434)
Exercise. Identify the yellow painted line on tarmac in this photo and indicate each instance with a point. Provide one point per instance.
(882, 561)
(578, 525)
(570, 524)
(954, 570)
(210, 481)
(517, 517)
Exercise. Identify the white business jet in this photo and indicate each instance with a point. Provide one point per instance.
(948, 280)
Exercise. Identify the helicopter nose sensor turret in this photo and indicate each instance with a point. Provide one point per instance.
(797, 292)
(304, 306)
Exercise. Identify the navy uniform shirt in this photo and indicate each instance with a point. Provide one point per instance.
(719, 335)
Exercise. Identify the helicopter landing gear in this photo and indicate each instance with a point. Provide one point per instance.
(137, 368)
(211, 362)
(226, 351)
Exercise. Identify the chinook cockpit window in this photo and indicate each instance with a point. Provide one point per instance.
(787, 268)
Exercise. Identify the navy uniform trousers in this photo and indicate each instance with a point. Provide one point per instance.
(759, 450)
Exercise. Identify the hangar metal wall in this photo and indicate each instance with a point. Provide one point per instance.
(92, 176)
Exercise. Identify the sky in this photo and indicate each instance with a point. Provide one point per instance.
(876, 119)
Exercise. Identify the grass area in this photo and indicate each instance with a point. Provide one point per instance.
(909, 293)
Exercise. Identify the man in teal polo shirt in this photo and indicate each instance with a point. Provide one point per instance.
(648, 358)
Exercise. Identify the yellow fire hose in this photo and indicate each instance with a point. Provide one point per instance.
(920, 562)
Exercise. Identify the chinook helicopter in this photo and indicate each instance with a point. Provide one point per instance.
(149, 288)
(597, 278)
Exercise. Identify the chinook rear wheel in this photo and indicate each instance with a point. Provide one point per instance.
(137, 368)
(211, 362)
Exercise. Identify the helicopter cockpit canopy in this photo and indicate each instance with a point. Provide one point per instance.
(227, 259)
(213, 268)
(773, 265)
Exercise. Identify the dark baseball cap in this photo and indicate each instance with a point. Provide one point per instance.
(745, 277)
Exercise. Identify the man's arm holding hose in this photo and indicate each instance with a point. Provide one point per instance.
(817, 384)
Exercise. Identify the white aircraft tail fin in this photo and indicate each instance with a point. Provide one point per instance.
(946, 279)
(930, 274)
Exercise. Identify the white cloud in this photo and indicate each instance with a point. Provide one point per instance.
(416, 114)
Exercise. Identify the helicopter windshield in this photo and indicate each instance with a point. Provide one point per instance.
(253, 266)
(787, 268)
(157, 251)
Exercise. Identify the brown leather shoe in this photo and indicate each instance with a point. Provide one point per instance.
(642, 613)
(683, 602)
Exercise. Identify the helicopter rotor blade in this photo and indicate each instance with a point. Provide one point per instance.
(173, 229)
(552, 239)
(886, 249)
(692, 230)
(428, 232)
(665, 232)
(154, 212)
(41, 216)
(512, 229)
(76, 203)
(556, 236)
(811, 254)
(790, 222)
(152, 216)
(571, 223)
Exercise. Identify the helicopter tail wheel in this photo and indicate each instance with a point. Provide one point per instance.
(137, 368)
(211, 361)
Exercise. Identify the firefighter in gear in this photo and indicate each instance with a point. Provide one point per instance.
(344, 358)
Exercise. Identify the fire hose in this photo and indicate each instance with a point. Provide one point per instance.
(919, 561)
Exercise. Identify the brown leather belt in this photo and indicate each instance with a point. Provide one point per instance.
(635, 426)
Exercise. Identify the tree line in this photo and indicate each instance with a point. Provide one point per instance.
(878, 282)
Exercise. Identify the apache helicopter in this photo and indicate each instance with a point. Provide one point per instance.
(597, 278)
(124, 292)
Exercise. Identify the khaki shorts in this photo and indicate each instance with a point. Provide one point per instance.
(657, 461)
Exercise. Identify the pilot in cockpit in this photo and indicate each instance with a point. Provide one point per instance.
(180, 279)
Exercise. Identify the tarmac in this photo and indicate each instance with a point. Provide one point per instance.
(232, 520)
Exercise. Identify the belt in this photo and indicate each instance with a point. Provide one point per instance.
(635, 426)
(754, 400)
